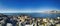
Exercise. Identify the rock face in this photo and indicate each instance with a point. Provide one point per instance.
(52, 11)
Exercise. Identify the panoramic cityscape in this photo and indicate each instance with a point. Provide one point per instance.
(27, 20)
(29, 12)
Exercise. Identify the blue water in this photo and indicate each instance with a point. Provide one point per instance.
(35, 14)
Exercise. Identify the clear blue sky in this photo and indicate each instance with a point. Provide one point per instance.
(29, 5)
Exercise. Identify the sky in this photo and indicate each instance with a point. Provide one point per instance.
(16, 6)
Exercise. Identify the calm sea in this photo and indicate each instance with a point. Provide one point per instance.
(35, 14)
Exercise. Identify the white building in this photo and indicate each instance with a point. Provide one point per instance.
(29, 25)
(9, 24)
(19, 24)
(0, 24)
(57, 24)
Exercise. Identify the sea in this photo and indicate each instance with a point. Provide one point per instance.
(41, 15)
